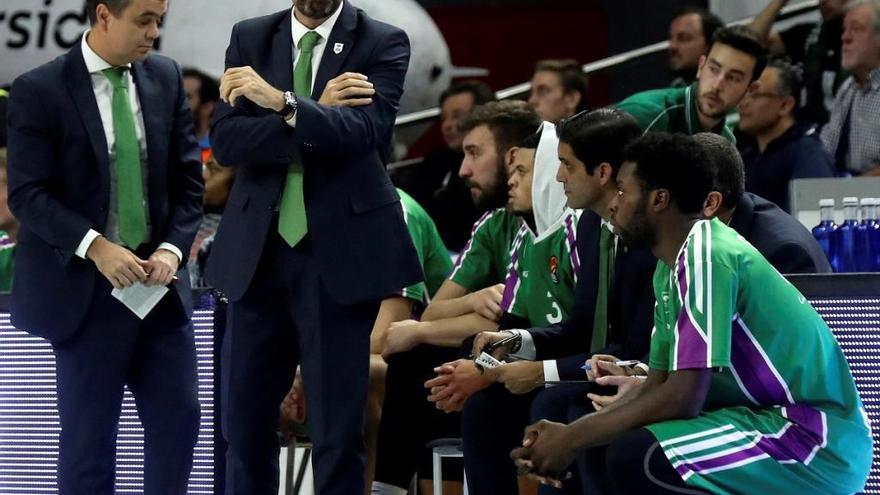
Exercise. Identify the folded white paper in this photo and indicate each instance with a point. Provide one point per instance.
(139, 298)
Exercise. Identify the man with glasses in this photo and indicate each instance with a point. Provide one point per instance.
(775, 147)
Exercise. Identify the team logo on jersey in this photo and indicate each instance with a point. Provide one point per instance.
(554, 267)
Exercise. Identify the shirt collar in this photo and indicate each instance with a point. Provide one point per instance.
(298, 29)
(874, 80)
(94, 62)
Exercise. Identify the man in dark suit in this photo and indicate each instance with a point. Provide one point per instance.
(778, 236)
(105, 176)
(612, 312)
(313, 235)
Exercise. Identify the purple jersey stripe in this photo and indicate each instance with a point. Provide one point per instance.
(467, 247)
(511, 282)
(804, 436)
(753, 370)
(572, 244)
(691, 347)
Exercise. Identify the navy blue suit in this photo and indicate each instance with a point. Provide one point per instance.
(59, 188)
(630, 320)
(315, 302)
(784, 241)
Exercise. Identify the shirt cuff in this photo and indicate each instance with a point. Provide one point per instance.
(291, 121)
(527, 345)
(171, 247)
(551, 371)
(642, 366)
(86, 241)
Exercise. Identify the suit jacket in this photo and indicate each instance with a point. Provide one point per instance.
(356, 228)
(784, 241)
(630, 306)
(59, 183)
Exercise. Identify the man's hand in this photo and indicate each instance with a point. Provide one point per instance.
(624, 384)
(401, 337)
(487, 302)
(244, 81)
(603, 365)
(350, 89)
(455, 382)
(161, 267)
(117, 264)
(486, 338)
(519, 377)
(293, 407)
(545, 453)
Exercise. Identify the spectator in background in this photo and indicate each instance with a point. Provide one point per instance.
(851, 134)
(736, 59)
(690, 34)
(8, 228)
(559, 89)
(218, 185)
(202, 91)
(434, 183)
(775, 147)
(815, 45)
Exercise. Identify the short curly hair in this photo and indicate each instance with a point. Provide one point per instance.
(510, 121)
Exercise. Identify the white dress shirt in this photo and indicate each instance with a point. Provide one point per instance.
(298, 30)
(104, 97)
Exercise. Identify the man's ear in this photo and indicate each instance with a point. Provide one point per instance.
(605, 172)
(712, 204)
(659, 200)
(508, 158)
(700, 65)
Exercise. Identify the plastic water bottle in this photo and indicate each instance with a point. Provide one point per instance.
(843, 245)
(823, 232)
(862, 237)
(874, 234)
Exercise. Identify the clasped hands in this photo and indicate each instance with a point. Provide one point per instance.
(122, 268)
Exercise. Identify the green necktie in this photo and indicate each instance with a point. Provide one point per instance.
(292, 224)
(606, 275)
(129, 181)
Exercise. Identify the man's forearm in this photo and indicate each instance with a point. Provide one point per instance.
(448, 308)
(450, 332)
(763, 22)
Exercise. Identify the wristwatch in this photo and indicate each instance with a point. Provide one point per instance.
(289, 109)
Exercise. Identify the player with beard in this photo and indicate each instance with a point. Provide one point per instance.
(725, 408)
(467, 303)
(735, 60)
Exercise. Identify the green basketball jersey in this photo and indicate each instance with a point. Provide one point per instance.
(7, 256)
(432, 253)
(782, 414)
(483, 261)
(542, 274)
(672, 110)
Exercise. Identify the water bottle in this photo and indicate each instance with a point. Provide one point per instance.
(823, 231)
(864, 255)
(874, 234)
(843, 245)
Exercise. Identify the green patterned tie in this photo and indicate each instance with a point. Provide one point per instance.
(129, 181)
(292, 224)
(606, 275)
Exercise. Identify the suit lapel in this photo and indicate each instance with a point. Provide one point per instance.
(338, 47)
(282, 65)
(150, 97)
(79, 83)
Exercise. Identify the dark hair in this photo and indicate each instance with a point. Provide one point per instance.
(510, 122)
(726, 166)
(115, 6)
(599, 136)
(209, 89)
(674, 162)
(746, 40)
(571, 75)
(481, 91)
(532, 140)
(791, 79)
(708, 21)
